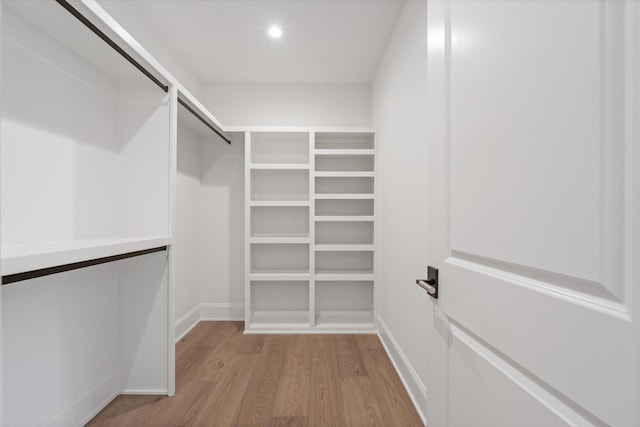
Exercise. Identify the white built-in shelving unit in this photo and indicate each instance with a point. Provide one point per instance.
(310, 219)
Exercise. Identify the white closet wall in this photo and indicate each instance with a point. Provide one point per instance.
(208, 237)
(188, 225)
(290, 104)
(222, 234)
(400, 111)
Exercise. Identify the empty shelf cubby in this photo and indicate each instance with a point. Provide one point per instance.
(279, 258)
(327, 207)
(279, 147)
(344, 262)
(277, 304)
(344, 232)
(347, 141)
(344, 163)
(344, 185)
(344, 303)
(279, 185)
(283, 221)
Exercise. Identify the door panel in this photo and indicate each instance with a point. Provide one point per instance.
(539, 142)
(514, 401)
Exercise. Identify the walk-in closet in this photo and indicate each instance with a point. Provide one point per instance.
(338, 213)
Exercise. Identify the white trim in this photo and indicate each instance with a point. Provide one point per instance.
(416, 390)
(222, 311)
(88, 406)
(556, 406)
(186, 323)
(150, 391)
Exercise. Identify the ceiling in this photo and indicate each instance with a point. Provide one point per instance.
(324, 41)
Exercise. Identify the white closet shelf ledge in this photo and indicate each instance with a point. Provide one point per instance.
(344, 151)
(345, 174)
(344, 218)
(29, 257)
(345, 247)
(358, 196)
(280, 166)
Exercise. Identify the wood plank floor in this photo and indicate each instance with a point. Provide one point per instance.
(225, 378)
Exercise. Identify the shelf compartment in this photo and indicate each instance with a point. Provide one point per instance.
(335, 185)
(344, 232)
(353, 163)
(344, 304)
(279, 304)
(279, 185)
(327, 207)
(344, 140)
(90, 123)
(279, 258)
(344, 262)
(279, 221)
(280, 147)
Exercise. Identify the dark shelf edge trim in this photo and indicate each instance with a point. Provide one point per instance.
(199, 117)
(27, 275)
(111, 43)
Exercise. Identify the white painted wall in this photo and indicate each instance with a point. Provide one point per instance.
(222, 170)
(399, 114)
(187, 232)
(290, 104)
(126, 14)
(222, 228)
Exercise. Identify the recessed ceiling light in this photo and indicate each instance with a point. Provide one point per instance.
(275, 31)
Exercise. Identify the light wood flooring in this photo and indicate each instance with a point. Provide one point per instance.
(225, 378)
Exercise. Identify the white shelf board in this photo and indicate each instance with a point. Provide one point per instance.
(271, 235)
(344, 218)
(280, 318)
(345, 174)
(284, 239)
(279, 166)
(345, 247)
(278, 203)
(278, 272)
(279, 277)
(344, 151)
(22, 258)
(342, 276)
(334, 196)
(278, 197)
(344, 318)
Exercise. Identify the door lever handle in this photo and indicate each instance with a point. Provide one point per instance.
(430, 284)
(427, 285)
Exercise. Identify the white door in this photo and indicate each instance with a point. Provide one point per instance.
(534, 217)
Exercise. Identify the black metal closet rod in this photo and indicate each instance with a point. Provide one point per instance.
(11, 278)
(111, 43)
(199, 117)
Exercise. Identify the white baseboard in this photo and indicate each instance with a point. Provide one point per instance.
(187, 322)
(413, 385)
(221, 311)
(207, 311)
(147, 391)
(94, 401)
